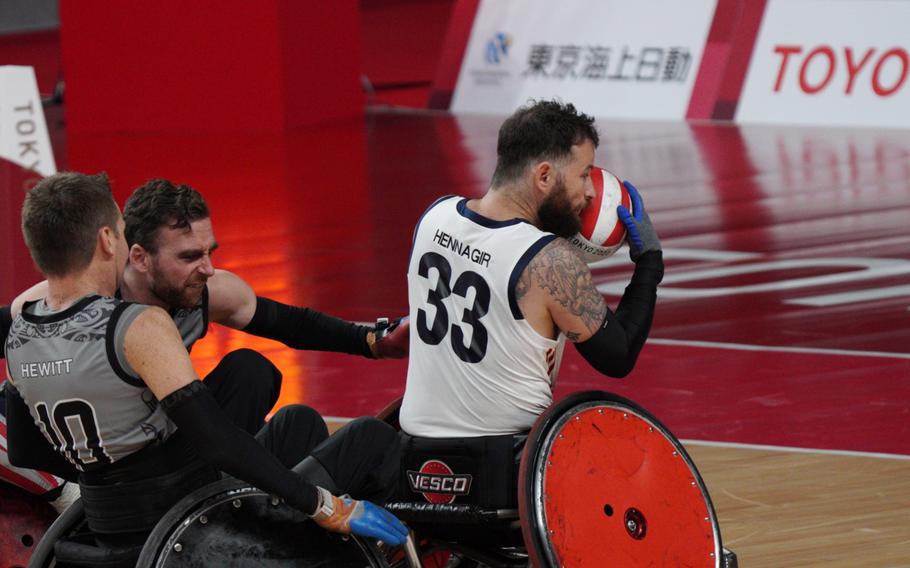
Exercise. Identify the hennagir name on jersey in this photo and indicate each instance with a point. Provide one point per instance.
(39, 369)
(461, 248)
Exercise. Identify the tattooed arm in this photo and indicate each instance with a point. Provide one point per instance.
(555, 293)
(556, 289)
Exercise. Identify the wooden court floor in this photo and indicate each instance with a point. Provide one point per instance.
(780, 350)
(780, 507)
(786, 508)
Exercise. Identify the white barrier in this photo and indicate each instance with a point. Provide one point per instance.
(24, 138)
(831, 63)
(611, 58)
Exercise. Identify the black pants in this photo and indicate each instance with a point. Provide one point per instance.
(293, 433)
(246, 386)
(362, 458)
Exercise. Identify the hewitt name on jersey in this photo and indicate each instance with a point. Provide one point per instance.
(45, 368)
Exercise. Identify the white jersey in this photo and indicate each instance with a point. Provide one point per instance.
(476, 366)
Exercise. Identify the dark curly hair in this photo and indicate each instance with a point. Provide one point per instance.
(159, 203)
(540, 130)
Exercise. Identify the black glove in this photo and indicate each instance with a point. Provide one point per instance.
(390, 340)
(641, 234)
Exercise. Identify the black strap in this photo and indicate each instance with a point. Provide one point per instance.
(138, 505)
(6, 321)
(487, 464)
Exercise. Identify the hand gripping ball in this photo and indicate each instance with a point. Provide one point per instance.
(602, 233)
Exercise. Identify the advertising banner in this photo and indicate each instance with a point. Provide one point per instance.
(833, 63)
(23, 132)
(611, 58)
(26, 156)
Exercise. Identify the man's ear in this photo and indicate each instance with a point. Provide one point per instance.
(106, 240)
(140, 259)
(544, 177)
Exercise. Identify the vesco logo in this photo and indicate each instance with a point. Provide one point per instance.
(438, 483)
(497, 48)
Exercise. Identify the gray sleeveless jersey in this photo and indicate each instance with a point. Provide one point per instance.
(70, 369)
(192, 323)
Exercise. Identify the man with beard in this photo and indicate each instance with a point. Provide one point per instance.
(171, 239)
(495, 288)
(103, 390)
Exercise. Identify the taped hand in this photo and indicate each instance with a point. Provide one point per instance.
(641, 234)
(348, 516)
(390, 340)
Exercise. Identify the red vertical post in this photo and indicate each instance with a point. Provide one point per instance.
(725, 60)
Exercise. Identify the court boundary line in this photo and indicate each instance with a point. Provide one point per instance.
(796, 450)
(776, 348)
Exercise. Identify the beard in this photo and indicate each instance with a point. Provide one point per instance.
(176, 296)
(556, 214)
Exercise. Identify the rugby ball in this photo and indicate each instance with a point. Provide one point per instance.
(602, 233)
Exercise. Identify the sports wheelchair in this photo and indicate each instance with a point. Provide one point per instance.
(23, 519)
(600, 482)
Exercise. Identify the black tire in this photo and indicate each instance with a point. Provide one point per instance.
(229, 523)
(66, 524)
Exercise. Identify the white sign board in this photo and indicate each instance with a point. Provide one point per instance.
(832, 63)
(611, 58)
(23, 132)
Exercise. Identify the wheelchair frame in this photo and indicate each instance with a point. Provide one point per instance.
(597, 536)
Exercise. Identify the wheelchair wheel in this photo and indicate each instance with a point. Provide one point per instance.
(24, 518)
(70, 522)
(604, 483)
(230, 524)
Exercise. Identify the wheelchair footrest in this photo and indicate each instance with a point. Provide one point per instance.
(453, 514)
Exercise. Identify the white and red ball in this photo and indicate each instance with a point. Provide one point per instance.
(602, 233)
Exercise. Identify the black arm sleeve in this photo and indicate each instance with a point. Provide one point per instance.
(27, 446)
(303, 328)
(198, 416)
(614, 349)
(6, 320)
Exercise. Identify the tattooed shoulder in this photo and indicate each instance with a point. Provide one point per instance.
(559, 271)
(524, 282)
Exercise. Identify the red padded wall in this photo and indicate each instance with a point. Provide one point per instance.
(171, 65)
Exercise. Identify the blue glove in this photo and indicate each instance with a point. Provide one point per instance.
(371, 520)
(641, 233)
(345, 515)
